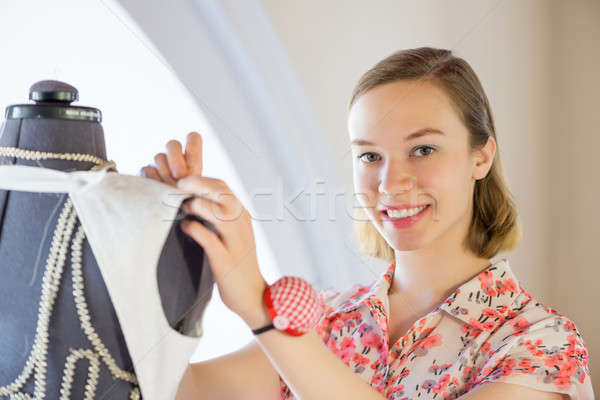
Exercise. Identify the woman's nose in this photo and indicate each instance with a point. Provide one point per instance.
(395, 182)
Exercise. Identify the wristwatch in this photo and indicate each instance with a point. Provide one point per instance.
(293, 305)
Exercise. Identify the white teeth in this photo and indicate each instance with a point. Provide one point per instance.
(407, 212)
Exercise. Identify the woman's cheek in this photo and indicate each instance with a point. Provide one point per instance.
(365, 185)
(439, 187)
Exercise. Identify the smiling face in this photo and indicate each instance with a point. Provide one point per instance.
(419, 155)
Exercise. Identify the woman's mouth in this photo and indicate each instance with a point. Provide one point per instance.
(406, 217)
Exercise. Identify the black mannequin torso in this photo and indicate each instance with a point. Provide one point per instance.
(26, 224)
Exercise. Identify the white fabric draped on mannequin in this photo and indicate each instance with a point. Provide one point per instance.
(126, 220)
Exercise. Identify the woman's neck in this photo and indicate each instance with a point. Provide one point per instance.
(426, 277)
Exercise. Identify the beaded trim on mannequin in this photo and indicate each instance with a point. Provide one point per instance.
(50, 285)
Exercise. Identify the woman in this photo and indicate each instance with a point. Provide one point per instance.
(442, 321)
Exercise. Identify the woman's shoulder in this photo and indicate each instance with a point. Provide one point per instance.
(351, 297)
(334, 301)
(536, 344)
(528, 318)
(530, 314)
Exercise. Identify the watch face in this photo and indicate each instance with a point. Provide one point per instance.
(280, 322)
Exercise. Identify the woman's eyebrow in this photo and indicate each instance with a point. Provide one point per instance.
(414, 135)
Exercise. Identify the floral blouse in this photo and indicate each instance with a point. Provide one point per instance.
(489, 330)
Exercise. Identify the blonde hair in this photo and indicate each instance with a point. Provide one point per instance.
(495, 226)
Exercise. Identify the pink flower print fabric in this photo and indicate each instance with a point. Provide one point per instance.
(489, 330)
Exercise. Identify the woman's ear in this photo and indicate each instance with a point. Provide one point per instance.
(483, 159)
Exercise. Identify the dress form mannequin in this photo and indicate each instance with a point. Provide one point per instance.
(26, 223)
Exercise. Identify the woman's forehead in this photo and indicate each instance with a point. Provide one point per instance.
(401, 108)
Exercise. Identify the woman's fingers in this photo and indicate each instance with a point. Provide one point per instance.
(212, 211)
(211, 188)
(163, 168)
(174, 164)
(193, 153)
(177, 162)
(151, 172)
(210, 241)
(215, 213)
(206, 209)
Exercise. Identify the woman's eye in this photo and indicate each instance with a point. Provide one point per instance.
(425, 147)
(368, 154)
(372, 157)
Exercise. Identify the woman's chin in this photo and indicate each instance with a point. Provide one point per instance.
(406, 246)
(406, 243)
(404, 240)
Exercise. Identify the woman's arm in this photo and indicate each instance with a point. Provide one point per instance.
(308, 367)
(312, 371)
(501, 391)
(246, 374)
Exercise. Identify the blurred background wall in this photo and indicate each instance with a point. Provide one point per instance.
(538, 61)
(574, 168)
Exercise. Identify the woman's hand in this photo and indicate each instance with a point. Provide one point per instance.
(231, 253)
(174, 165)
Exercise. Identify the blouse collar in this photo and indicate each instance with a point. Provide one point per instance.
(476, 301)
